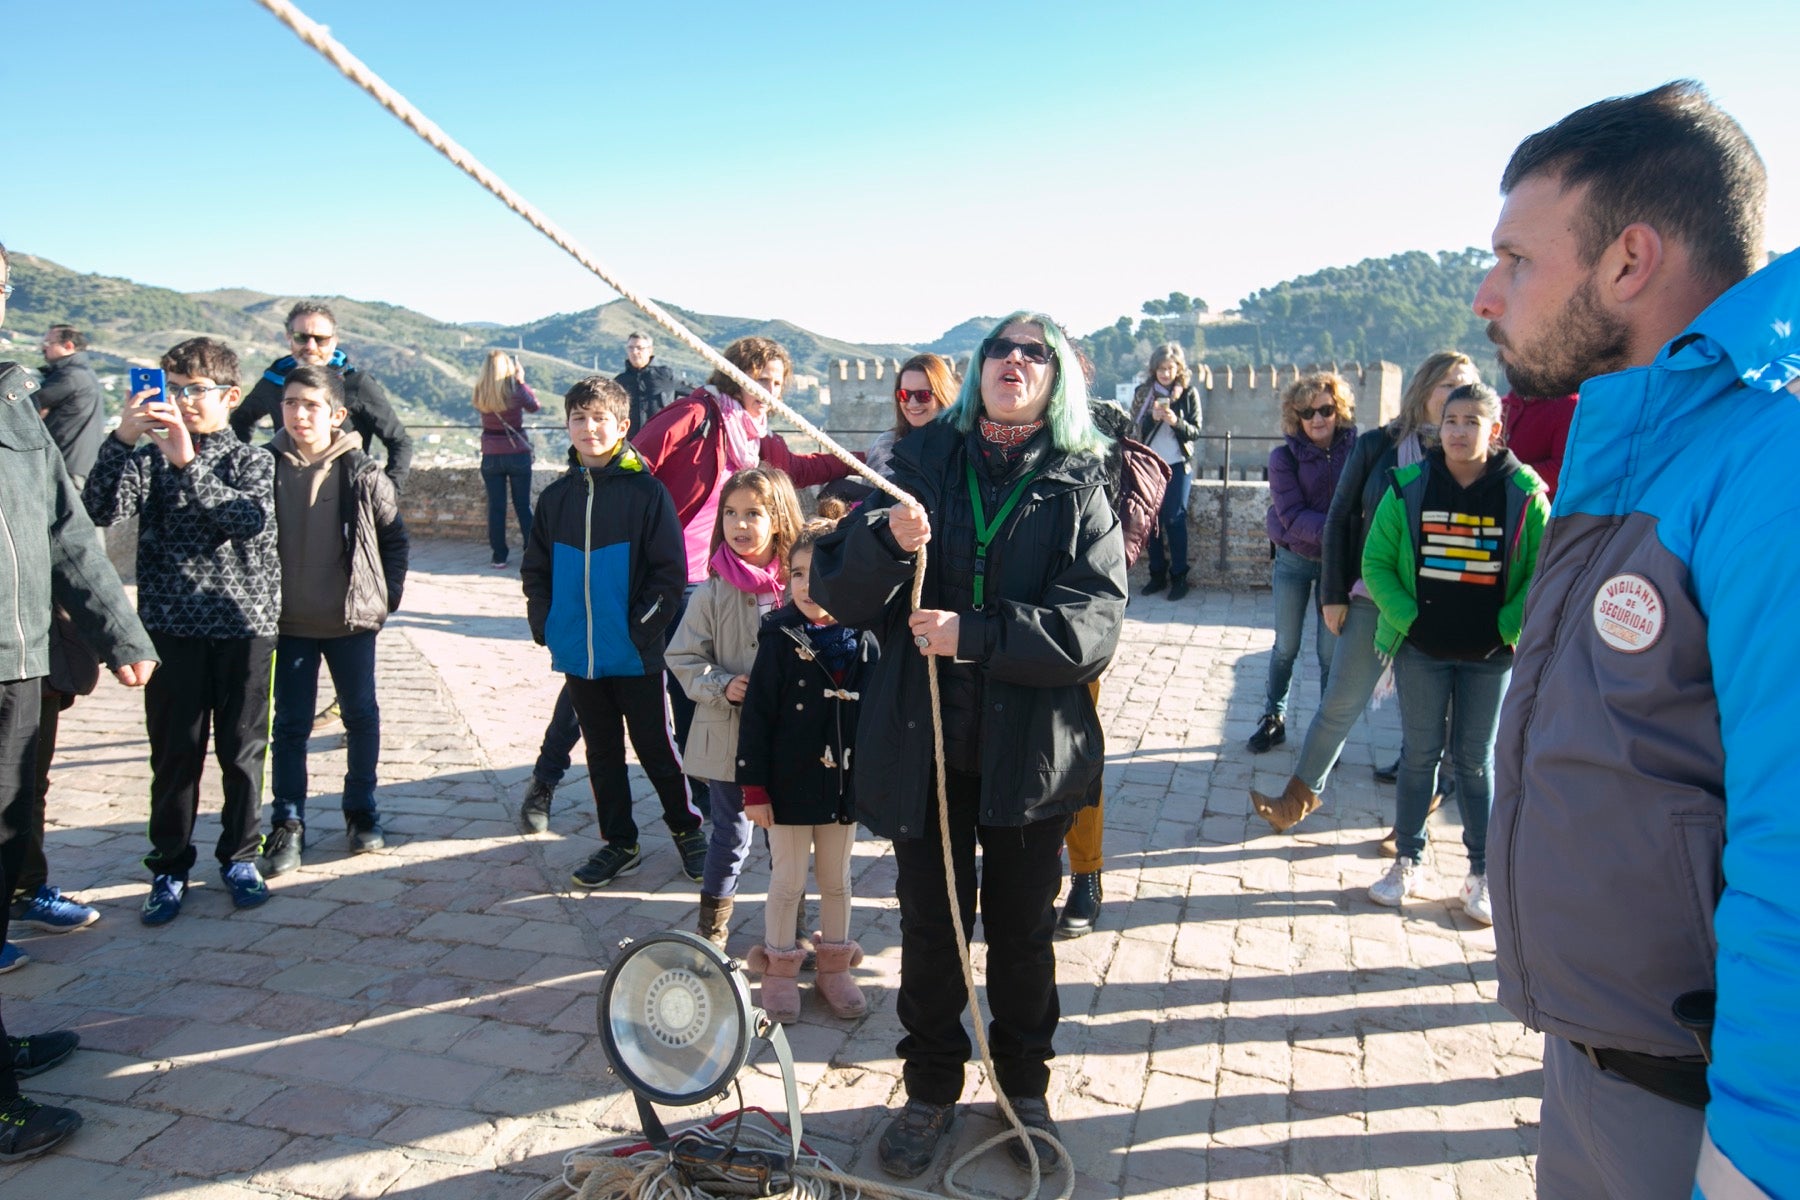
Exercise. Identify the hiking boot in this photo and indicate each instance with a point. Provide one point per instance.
(364, 831)
(715, 919)
(28, 1129)
(1475, 899)
(1271, 732)
(1034, 1113)
(692, 846)
(164, 902)
(911, 1139)
(1402, 880)
(534, 812)
(1178, 590)
(246, 884)
(281, 849)
(35, 1055)
(52, 912)
(1287, 810)
(607, 864)
(12, 958)
(1157, 583)
(1082, 909)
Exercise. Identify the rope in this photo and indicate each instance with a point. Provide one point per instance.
(354, 69)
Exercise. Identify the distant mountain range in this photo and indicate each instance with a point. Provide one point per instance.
(428, 366)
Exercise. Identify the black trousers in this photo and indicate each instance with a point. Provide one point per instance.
(1020, 874)
(217, 687)
(31, 870)
(607, 709)
(20, 701)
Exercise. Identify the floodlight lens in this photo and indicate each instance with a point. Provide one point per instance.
(675, 1019)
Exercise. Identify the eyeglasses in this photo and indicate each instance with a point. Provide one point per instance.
(6, 289)
(999, 347)
(1324, 410)
(300, 339)
(195, 391)
(921, 396)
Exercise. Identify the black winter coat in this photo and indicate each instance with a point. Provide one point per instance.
(371, 414)
(797, 731)
(73, 413)
(651, 390)
(1055, 602)
(1185, 408)
(1353, 505)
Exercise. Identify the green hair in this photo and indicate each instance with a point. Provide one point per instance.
(1072, 428)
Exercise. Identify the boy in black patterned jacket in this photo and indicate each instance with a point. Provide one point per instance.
(209, 592)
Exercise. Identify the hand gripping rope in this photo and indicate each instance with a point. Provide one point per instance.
(825, 1180)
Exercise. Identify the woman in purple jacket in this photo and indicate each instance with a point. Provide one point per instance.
(503, 399)
(1317, 419)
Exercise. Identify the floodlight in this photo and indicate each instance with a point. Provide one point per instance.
(677, 1027)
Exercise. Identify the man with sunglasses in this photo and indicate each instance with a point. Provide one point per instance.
(312, 333)
(651, 387)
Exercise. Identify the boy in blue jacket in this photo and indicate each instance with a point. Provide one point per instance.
(604, 570)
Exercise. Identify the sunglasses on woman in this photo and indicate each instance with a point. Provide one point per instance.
(999, 347)
(1324, 410)
(920, 396)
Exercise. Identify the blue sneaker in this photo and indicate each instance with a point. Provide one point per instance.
(164, 902)
(247, 887)
(53, 912)
(12, 958)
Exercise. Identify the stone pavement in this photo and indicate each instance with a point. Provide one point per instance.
(420, 1023)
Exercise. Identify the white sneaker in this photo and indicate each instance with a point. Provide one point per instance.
(1401, 881)
(1475, 900)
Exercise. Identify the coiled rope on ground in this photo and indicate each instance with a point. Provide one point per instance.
(652, 1184)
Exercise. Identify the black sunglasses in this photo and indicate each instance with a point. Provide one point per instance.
(320, 338)
(1324, 410)
(999, 347)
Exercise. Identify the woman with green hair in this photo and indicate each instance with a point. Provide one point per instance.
(1024, 595)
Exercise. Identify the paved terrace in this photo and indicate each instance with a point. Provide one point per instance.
(421, 1023)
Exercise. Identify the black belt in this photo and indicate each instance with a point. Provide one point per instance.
(1682, 1080)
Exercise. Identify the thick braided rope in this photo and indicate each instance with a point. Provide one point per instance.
(359, 73)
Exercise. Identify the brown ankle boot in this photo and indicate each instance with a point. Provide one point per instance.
(1287, 810)
(780, 994)
(834, 984)
(715, 919)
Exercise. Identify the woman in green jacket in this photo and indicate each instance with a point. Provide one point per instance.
(1448, 560)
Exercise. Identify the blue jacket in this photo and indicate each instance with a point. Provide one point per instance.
(1645, 837)
(604, 569)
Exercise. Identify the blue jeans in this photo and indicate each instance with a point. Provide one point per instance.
(729, 844)
(1355, 670)
(560, 736)
(1171, 527)
(1296, 580)
(1466, 695)
(351, 661)
(497, 472)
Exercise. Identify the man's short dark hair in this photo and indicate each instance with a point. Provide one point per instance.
(68, 335)
(310, 308)
(597, 391)
(1669, 158)
(327, 379)
(203, 358)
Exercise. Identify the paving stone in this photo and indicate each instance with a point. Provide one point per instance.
(205, 1147)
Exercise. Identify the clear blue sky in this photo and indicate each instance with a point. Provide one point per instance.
(876, 172)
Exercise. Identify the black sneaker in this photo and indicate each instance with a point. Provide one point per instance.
(27, 1129)
(1269, 734)
(1389, 774)
(534, 813)
(911, 1139)
(364, 832)
(1178, 586)
(281, 849)
(35, 1055)
(1157, 583)
(692, 846)
(1035, 1114)
(607, 864)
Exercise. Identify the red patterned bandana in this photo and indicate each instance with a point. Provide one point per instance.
(1007, 437)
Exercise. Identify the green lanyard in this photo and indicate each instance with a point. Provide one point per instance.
(984, 530)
